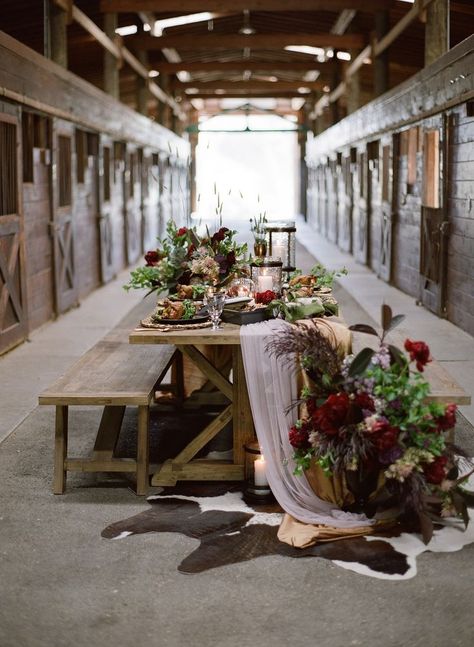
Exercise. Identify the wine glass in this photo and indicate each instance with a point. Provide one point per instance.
(215, 304)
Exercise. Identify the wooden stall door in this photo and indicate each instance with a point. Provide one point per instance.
(386, 225)
(105, 213)
(150, 196)
(176, 191)
(360, 213)
(344, 232)
(165, 192)
(13, 316)
(309, 197)
(132, 204)
(332, 197)
(434, 218)
(62, 190)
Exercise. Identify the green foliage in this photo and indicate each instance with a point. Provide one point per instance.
(324, 277)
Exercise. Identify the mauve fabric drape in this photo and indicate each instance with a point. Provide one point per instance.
(272, 387)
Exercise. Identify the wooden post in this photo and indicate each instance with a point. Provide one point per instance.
(58, 34)
(164, 111)
(353, 99)
(302, 121)
(142, 86)
(436, 30)
(111, 65)
(380, 62)
(193, 140)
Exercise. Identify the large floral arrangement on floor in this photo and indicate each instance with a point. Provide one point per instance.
(368, 416)
(183, 258)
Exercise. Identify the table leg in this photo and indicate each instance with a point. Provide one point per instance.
(244, 430)
(143, 444)
(60, 449)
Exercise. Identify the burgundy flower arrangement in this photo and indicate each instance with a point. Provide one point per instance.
(366, 419)
(184, 258)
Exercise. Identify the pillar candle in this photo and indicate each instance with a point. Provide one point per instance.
(265, 283)
(260, 475)
(278, 251)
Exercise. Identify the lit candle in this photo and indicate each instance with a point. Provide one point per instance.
(242, 291)
(260, 475)
(278, 251)
(265, 283)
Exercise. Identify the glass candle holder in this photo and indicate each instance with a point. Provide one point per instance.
(241, 287)
(257, 489)
(266, 275)
(281, 243)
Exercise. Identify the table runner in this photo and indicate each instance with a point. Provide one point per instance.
(272, 388)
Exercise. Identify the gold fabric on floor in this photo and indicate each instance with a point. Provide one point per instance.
(332, 489)
(302, 535)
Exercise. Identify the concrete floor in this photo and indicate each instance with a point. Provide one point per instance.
(62, 585)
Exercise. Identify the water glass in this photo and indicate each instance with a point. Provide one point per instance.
(215, 304)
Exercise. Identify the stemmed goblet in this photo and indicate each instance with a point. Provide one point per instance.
(215, 304)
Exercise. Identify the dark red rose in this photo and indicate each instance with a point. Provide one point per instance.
(219, 235)
(448, 420)
(419, 353)
(265, 297)
(364, 401)
(331, 415)
(152, 257)
(182, 231)
(386, 438)
(435, 472)
(231, 258)
(299, 437)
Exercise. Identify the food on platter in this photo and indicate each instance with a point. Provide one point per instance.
(167, 309)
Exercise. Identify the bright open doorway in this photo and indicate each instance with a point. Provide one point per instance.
(249, 162)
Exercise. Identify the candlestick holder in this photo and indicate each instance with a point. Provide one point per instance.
(266, 275)
(257, 489)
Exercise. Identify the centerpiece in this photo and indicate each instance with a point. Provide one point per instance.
(186, 264)
(366, 426)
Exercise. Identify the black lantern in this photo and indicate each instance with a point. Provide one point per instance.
(281, 243)
(257, 489)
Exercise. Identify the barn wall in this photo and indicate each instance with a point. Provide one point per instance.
(460, 202)
(72, 247)
(405, 205)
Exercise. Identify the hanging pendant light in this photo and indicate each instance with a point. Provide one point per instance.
(247, 29)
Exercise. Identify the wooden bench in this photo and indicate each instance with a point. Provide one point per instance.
(112, 374)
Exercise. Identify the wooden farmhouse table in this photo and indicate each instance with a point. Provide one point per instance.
(185, 466)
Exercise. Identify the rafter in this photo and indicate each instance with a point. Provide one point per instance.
(241, 66)
(270, 86)
(255, 41)
(193, 6)
(250, 95)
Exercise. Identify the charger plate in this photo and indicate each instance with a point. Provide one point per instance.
(149, 322)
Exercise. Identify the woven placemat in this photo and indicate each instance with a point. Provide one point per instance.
(149, 323)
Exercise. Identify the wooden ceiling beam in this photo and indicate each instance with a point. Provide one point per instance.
(369, 52)
(277, 40)
(192, 6)
(230, 86)
(250, 95)
(121, 53)
(240, 66)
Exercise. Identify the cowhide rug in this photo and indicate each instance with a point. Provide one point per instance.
(230, 531)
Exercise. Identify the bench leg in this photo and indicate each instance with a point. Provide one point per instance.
(143, 444)
(60, 449)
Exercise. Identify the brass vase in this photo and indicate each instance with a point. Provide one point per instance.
(260, 249)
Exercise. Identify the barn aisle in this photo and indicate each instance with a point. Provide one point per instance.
(67, 585)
